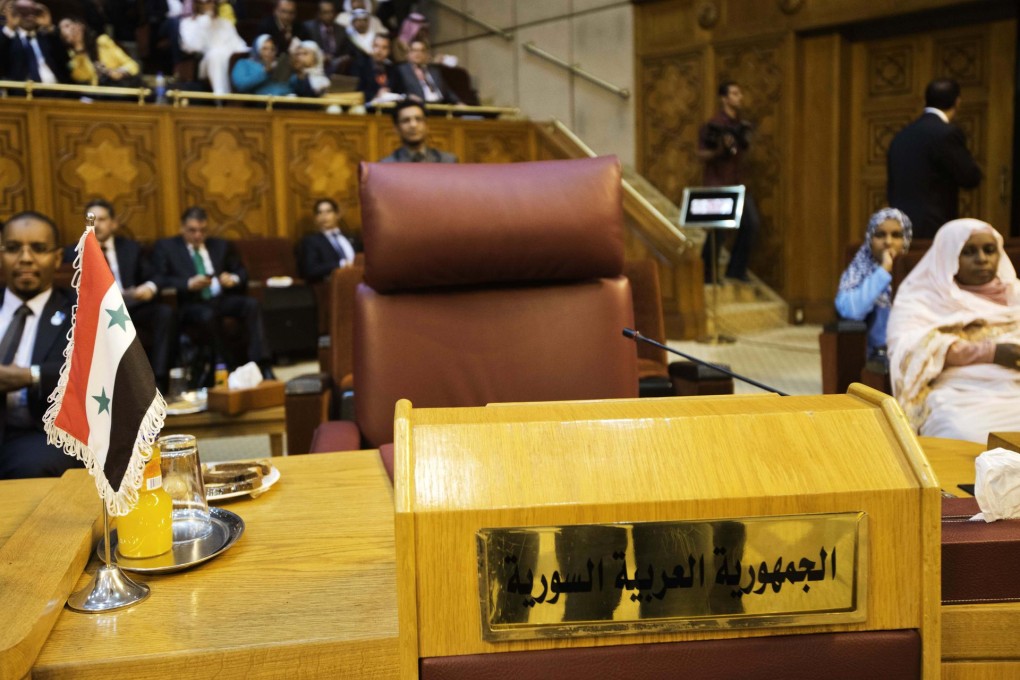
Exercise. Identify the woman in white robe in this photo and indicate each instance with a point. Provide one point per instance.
(954, 336)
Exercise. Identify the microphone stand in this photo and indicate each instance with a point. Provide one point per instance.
(635, 335)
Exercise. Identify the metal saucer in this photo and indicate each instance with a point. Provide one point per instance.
(227, 527)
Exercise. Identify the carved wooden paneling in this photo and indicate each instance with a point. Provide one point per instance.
(322, 162)
(880, 129)
(890, 70)
(115, 161)
(15, 183)
(496, 144)
(671, 102)
(225, 168)
(757, 66)
(964, 59)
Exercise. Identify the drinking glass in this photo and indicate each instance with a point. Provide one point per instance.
(182, 479)
(178, 385)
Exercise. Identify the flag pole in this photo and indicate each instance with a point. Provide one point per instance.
(110, 588)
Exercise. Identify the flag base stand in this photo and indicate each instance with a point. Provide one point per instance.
(110, 588)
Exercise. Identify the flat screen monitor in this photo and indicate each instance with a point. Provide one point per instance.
(717, 207)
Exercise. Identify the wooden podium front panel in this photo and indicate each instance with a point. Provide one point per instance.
(555, 464)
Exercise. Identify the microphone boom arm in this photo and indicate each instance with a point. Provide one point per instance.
(635, 335)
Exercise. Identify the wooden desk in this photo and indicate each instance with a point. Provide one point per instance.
(308, 591)
(210, 425)
(979, 641)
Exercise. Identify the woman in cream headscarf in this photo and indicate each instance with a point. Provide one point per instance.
(954, 336)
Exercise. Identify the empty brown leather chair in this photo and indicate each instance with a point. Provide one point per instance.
(487, 283)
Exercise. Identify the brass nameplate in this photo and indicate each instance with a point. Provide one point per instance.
(602, 579)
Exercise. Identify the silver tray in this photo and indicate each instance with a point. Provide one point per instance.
(227, 527)
(194, 401)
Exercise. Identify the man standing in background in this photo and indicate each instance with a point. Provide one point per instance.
(928, 162)
(722, 144)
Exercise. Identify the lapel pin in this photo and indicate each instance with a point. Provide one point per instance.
(57, 318)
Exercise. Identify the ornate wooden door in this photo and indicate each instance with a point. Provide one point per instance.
(887, 92)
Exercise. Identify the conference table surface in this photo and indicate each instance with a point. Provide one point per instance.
(308, 591)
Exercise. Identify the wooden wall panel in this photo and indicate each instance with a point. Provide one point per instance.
(111, 160)
(15, 176)
(322, 162)
(496, 143)
(225, 167)
(672, 99)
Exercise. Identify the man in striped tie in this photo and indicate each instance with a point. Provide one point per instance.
(210, 281)
(35, 318)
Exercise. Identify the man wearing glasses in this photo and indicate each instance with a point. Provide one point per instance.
(34, 322)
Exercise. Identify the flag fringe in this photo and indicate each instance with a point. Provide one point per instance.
(120, 502)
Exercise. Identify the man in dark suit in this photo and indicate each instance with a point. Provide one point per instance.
(337, 50)
(210, 281)
(327, 249)
(928, 162)
(29, 47)
(282, 27)
(35, 318)
(133, 273)
(419, 79)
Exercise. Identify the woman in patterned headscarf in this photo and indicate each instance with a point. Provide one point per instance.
(865, 289)
(954, 336)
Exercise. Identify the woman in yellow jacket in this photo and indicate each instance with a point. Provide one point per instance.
(96, 60)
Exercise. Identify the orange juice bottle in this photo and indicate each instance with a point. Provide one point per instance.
(147, 530)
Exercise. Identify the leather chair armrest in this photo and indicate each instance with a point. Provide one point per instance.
(845, 326)
(842, 349)
(309, 383)
(307, 402)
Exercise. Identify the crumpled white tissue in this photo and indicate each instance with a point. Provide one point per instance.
(245, 377)
(997, 485)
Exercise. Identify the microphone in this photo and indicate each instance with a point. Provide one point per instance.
(635, 335)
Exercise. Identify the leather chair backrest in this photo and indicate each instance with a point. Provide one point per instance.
(490, 283)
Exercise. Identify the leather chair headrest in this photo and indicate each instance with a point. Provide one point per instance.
(438, 225)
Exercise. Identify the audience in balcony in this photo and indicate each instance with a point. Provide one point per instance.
(413, 128)
(96, 59)
(413, 27)
(331, 38)
(215, 38)
(360, 33)
(418, 78)
(263, 71)
(282, 27)
(392, 13)
(30, 48)
(309, 79)
(865, 288)
(350, 7)
(320, 252)
(376, 73)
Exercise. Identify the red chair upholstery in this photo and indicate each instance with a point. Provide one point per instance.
(878, 655)
(487, 283)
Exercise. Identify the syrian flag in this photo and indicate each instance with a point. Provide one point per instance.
(105, 410)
